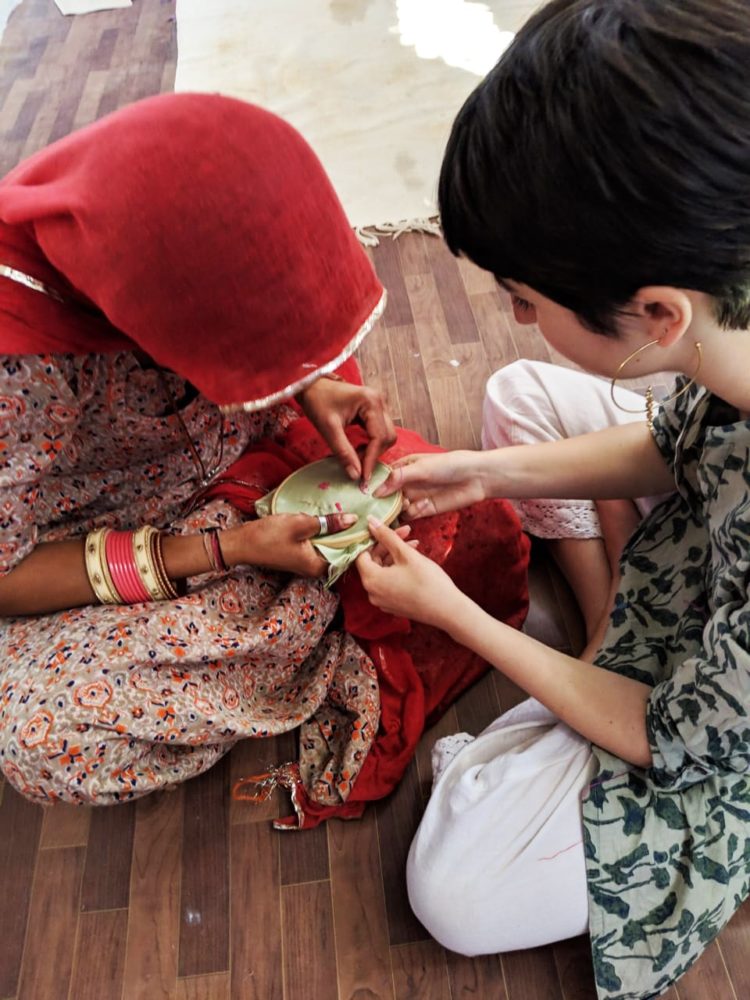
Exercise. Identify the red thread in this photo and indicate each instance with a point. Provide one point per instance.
(558, 853)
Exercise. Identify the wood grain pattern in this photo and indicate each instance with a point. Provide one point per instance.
(415, 408)
(65, 826)
(533, 974)
(110, 899)
(708, 978)
(308, 941)
(420, 971)
(476, 978)
(304, 859)
(387, 263)
(573, 963)
(379, 376)
(412, 254)
(215, 987)
(204, 901)
(153, 925)
(398, 818)
(53, 923)
(106, 879)
(252, 757)
(734, 944)
(479, 706)
(20, 825)
(256, 912)
(99, 964)
(459, 318)
(359, 914)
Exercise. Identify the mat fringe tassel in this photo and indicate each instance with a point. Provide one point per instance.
(284, 776)
(369, 236)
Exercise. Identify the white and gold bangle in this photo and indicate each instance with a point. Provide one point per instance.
(97, 569)
(157, 584)
(144, 562)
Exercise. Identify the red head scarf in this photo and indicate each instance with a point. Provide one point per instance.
(198, 228)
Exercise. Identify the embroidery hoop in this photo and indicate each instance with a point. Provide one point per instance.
(288, 500)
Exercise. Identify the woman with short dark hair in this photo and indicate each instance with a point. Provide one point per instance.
(602, 173)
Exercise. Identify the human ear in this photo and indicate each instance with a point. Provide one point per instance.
(666, 311)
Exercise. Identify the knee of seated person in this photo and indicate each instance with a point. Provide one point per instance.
(31, 751)
(19, 764)
(441, 905)
(510, 393)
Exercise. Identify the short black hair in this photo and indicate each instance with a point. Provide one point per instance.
(607, 150)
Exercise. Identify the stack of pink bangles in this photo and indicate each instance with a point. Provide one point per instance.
(127, 567)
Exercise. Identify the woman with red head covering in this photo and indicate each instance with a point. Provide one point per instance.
(171, 279)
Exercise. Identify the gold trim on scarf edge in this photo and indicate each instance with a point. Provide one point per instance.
(291, 390)
(13, 274)
(21, 278)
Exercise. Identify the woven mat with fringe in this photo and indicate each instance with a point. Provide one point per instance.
(373, 85)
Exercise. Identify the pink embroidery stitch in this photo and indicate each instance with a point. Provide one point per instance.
(324, 486)
(563, 851)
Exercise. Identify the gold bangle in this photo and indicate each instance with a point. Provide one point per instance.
(144, 561)
(97, 569)
(206, 537)
(161, 570)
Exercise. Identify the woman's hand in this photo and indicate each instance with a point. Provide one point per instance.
(401, 581)
(281, 542)
(434, 484)
(331, 405)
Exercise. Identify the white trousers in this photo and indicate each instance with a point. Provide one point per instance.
(497, 863)
(529, 402)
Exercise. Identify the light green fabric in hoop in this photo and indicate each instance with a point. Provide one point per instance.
(323, 488)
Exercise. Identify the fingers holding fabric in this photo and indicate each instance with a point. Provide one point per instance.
(284, 542)
(436, 483)
(331, 405)
(380, 554)
(329, 524)
(401, 581)
(380, 430)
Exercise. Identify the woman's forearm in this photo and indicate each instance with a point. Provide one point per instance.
(619, 462)
(606, 708)
(53, 577)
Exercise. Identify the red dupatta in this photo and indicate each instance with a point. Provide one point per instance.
(421, 671)
(197, 228)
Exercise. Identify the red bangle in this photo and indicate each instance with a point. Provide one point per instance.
(117, 567)
(137, 586)
(218, 555)
(123, 569)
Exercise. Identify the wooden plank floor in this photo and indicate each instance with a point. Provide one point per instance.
(187, 895)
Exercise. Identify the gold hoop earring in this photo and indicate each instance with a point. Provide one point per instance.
(649, 398)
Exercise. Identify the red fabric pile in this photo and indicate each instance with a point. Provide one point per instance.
(421, 671)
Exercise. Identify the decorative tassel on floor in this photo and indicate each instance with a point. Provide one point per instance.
(284, 776)
(369, 236)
